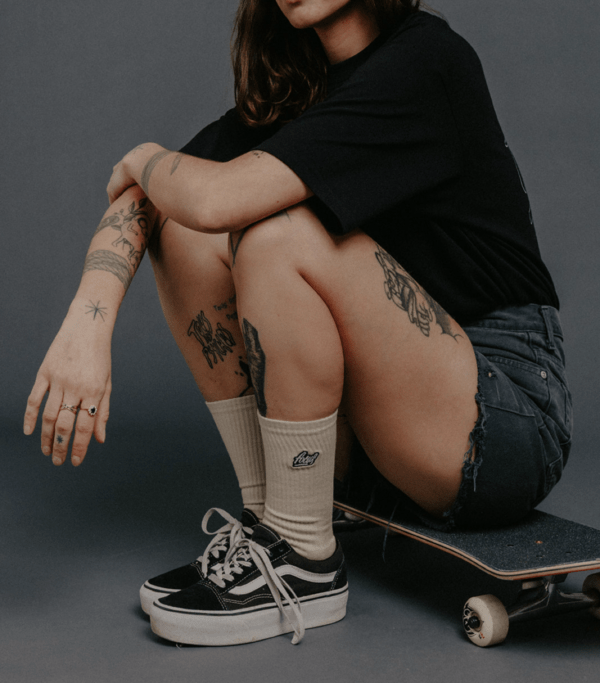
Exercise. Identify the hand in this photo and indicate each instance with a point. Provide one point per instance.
(130, 167)
(75, 372)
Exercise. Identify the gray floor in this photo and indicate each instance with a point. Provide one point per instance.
(80, 542)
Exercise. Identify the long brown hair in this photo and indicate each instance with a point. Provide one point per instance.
(280, 71)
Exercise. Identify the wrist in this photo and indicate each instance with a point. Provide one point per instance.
(92, 315)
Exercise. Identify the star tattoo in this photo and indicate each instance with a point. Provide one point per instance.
(96, 309)
(59, 439)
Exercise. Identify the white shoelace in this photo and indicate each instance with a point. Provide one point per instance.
(242, 554)
(230, 533)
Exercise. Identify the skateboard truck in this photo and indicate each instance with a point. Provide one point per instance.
(486, 620)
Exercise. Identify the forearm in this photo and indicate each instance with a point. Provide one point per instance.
(210, 196)
(115, 252)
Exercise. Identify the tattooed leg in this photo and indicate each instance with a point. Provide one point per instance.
(214, 346)
(234, 243)
(198, 298)
(407, 295)
(257, 361)
(321, 305)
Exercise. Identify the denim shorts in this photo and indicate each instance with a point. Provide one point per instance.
(522, 436)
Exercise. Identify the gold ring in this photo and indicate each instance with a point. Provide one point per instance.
(73, 409)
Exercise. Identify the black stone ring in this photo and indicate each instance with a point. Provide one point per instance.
(92, 410)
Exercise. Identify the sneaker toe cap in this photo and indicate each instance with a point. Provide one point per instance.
(201, 596)
(177, 579)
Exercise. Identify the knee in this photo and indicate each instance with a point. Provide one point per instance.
(279, 240)
(179, 247)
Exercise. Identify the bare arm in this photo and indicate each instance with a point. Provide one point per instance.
(76, 369)
(210, 196)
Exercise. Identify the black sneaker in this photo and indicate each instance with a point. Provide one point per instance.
(263, 589)
(343, 522)
(183, 577)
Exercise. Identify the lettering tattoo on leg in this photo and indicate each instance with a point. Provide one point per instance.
(214, 346)
(229, 304)
(257, 361)
(408, 296)
(102, 259)
(226, 304)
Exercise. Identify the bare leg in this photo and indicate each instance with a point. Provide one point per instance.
(333, 314)
(198, 299)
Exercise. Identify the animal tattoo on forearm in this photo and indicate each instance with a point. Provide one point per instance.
(215, 346)
(131, 224)
(257, 361)
(407, 295)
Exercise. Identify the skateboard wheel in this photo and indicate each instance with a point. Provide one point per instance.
(485, 620)
(591, 588)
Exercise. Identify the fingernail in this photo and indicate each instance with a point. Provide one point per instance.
(46, 450)
(56, 460)
(27, 430)
(76, 461)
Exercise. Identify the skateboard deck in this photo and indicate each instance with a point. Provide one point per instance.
(539, 551)
(539, 546)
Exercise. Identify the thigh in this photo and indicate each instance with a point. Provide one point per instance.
(410, 370)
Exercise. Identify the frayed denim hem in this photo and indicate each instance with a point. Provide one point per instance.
(379, 490)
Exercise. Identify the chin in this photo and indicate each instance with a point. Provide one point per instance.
(304, 14)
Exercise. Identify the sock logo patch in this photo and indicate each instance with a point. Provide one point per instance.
(305, 459)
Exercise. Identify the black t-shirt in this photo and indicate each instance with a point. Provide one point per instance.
(407, 147)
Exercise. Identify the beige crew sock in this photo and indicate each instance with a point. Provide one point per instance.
(299, 460)
(237, 422)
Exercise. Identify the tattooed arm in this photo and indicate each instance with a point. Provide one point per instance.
(209, 196)
(76, 370)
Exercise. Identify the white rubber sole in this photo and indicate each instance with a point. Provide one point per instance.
(148, 595)
(244, 626)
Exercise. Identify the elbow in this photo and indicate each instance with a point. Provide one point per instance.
(214, 216)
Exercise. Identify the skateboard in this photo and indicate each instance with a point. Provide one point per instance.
(540, 551)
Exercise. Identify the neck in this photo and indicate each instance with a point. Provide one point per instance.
(347, 33)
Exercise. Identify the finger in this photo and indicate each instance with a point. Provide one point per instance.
(49, 417)
(102, 416)
(33, 403)
(84, 429)
(63, 428)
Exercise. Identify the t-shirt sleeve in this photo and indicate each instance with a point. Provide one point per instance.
(225, 139)
(384, 137)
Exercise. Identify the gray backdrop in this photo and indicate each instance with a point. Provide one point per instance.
(83, 81)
